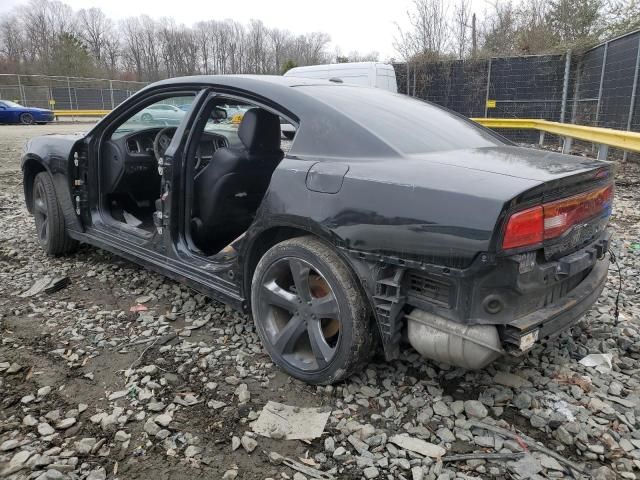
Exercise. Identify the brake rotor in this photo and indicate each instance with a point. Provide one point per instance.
(320, 288)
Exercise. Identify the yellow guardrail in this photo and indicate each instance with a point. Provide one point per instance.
(605, 137)
(610, 137)
(80, 113)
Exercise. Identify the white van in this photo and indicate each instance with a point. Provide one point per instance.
(368, 74)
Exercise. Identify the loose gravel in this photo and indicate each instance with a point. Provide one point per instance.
(92, 390)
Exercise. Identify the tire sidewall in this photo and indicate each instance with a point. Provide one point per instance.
(58, 241)
(39, 180)
(335, 368)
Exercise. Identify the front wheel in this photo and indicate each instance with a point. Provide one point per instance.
(50, 226)
(309, 311)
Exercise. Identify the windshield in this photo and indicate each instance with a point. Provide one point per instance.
(9, 104)
(167, 112)
(407, 124)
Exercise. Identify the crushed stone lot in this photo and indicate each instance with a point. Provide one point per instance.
(91, 390)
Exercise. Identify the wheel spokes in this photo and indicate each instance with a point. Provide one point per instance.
(40, 207)
(300, 272)
(279, 297)
(321, 349)
(42, 230)
(289, 335)
(325, 307)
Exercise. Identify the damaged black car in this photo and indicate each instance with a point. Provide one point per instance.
(385, 220)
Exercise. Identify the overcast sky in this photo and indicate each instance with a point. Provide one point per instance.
(362, 25)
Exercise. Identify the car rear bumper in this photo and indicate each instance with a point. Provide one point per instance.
(546, 323)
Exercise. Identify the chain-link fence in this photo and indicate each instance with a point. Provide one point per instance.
(596, 87)
(66, 93)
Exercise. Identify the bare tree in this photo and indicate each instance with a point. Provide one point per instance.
(94, 28)
(278, 41)
(428, 31)
(461, 16)
(11, 41)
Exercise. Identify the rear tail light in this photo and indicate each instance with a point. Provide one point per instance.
(551, 220)
(524, 228)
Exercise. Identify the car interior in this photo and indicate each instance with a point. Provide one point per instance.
(230, 163)
(130, 180)
(228, 189)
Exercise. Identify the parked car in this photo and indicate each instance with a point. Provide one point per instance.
(389, 218)
(162, 113)
(11, 112)
(288, 130)
(367, 74)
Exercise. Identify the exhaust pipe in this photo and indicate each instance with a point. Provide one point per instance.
(446, 341)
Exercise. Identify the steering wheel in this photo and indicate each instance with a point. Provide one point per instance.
(162, 141)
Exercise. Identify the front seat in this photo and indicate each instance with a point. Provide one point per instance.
(228, 191)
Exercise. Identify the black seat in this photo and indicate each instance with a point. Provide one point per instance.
(228, 191)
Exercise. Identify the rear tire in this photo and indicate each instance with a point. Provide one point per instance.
(50, 227)
(309, 311)
(26, 119)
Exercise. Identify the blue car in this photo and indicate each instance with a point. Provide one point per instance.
(11, 112)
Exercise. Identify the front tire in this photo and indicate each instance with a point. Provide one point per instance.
(50, 227)
(26, 119)
(309, 311)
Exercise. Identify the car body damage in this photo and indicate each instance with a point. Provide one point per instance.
(416, 201)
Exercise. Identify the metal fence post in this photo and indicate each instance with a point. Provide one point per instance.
(632, 101)
(70, 99)
(604, 64)
(565, 86)
(486, 98)
(576, 91)
(415, 68)
(111, 89)
(23, 100)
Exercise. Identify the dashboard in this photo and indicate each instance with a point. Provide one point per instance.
(131, 165)
(141, 143)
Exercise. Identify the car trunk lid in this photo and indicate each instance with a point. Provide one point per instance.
(514, 161)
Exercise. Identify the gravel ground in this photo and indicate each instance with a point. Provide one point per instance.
(91, 390)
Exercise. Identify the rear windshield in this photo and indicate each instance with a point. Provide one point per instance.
(407, 124)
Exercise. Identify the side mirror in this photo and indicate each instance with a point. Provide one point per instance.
(219, 114)
(2, 107)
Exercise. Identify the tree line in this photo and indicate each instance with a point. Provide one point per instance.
(441, 29)
(49, 37)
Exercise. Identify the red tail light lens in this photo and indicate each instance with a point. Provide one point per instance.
(561, 215)
(550, 220)
(524, 228)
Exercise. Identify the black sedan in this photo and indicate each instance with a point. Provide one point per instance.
(388, 220)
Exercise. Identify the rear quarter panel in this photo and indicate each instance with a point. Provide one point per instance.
(431, 212)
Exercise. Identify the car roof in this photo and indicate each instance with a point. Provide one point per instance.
(233, 80)
(333, 120)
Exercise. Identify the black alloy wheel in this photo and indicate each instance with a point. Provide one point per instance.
(51, 231)
(309, 312)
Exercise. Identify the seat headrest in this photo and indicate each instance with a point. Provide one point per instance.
(259, 130)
